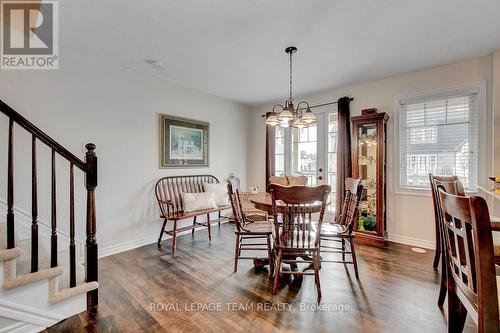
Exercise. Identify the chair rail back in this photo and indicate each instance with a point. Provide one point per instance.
(297, 211)
(168, 191)
(470, 256)
(350, 212)
(451, 185)
(349, 215)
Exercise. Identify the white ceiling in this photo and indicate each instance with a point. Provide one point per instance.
(235, 48)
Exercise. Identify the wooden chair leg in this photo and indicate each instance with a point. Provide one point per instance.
(437, 254)
(316, 273)
(162, 230)
(220, 216)
(236, 253)
(277, 272)
(270, 256)
(208, 226)
(457, 314)
(174, 237)
(443, 287)
(354, 259)
(194, 224)
(343, 249)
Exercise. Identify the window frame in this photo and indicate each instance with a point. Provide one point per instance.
(483, 162)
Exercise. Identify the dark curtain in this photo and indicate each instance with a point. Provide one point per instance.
(270, 150)
(344, 159)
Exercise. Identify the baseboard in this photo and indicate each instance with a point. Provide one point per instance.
(135, 243)
(22, 328)
(28, 315)
(426, 244)
(128, 245)
(12, 328)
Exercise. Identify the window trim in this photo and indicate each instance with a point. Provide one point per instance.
(484, 146)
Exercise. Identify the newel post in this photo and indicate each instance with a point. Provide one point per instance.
(91, 242)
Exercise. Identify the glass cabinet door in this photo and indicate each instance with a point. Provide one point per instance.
(367, 164)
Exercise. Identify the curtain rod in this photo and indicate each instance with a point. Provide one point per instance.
(320, 105)
(325, 104)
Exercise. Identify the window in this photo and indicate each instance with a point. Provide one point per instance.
(423, 135)
(279, 158)
(304, 152)
(439, 136)
(332, 158)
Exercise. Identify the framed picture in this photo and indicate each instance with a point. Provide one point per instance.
(183, 142)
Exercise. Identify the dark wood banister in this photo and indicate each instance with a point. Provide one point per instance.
(89, 167)
(27, 125)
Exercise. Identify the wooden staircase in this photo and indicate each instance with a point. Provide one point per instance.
(27, 261)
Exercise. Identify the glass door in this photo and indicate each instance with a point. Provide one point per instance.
(367, 162)
(311, 151)
(304, 153)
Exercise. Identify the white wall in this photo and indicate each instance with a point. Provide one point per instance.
(117, 109)
(496, 109)
(410, 218)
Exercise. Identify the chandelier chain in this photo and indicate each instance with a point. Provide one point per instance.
(291, 76)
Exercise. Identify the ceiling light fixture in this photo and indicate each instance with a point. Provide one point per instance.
(288, 115)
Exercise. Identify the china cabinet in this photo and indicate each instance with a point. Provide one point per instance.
(369, 164)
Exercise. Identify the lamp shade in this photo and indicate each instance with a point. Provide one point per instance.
(308, 117)
(272, 120)
(299, 124)
(285, 115)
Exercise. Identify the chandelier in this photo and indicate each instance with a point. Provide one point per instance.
(287, 114)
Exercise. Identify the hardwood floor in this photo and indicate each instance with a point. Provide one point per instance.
(150, 290)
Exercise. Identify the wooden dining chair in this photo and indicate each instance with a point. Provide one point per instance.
(297, 180)
(451, 185)
(250, 235)
(280, 180)
(296, 239)
(342, 229)
(470, 264)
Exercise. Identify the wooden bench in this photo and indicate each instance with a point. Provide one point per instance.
(168, 193)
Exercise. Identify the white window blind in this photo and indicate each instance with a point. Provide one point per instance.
(438, 136)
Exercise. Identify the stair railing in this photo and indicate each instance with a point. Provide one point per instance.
(89, 168)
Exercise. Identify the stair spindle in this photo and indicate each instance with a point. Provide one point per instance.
(91, 242)
(34, 208)
(10, 188)
(72, 255)
(53, 236)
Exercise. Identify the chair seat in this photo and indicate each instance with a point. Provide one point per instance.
(258, 228)
(185, 215)
(330, 229)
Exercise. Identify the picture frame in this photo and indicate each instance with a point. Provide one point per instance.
(184, 142)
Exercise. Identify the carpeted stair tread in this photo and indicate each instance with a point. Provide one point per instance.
(66, 293)
(23, 263)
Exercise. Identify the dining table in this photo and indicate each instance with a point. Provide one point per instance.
(263, 201)
(490, 192)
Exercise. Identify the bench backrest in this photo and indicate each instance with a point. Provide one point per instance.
(168, 191)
